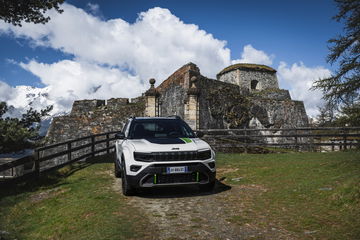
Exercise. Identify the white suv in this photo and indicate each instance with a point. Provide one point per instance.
(162, 151)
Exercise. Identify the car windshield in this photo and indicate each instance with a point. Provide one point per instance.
(160, 128)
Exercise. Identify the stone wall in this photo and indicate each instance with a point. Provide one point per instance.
(172, 101)
(85, 106)
(100, 119)
(204, 103)
(235, 109)
(231, 77)
(271, 93)
(173, 91)
(265, 80)
(244, 74)
(86, 118)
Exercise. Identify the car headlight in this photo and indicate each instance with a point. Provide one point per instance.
(203, 155)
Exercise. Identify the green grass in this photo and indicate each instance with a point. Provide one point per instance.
(76, 203)
(311, 194)
(308, 195)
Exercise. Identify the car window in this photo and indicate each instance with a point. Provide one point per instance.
(125, 127)
(160, 128)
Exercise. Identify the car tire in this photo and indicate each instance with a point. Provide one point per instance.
(117, 170)
(127, 190)
(207, 187)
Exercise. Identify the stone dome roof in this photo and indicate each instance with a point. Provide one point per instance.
(247, 66)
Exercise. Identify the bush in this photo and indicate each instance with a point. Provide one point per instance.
(17, 134)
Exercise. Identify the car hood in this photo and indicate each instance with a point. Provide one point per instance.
(168, 144)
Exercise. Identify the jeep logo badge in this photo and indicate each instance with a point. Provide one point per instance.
(175, 149)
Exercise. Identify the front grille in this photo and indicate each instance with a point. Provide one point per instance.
(174, 178)
(172, 156)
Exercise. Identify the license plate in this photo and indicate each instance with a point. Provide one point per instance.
(176, 169)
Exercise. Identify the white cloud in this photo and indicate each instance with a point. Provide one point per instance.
(154, 46)
(6, 92)
(70, 80)
(300, 79)
(252, 55)
(93, 8)
(117, 57)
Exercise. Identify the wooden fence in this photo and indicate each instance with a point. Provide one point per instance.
(306, 139)
(69, 151)
(224, 140)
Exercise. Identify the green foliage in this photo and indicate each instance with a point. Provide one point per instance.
(3, 108)
(343, 88)
(344, 85)
(327, 117)
(17, 134)
(350, 116)
(16, 11)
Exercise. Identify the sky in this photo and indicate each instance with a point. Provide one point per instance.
(104, 49)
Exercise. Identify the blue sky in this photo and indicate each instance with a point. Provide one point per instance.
(291, 36)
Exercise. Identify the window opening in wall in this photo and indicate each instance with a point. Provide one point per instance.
(254, 85)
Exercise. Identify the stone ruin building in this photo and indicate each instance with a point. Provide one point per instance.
(242, 96)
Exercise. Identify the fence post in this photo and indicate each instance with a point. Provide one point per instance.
(92, 146)
(245, 140)
(107, 143)
(37, 163)
(69, 151)
(296, 141)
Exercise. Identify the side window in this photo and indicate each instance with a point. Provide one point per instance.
(254, 85)
(125, 127)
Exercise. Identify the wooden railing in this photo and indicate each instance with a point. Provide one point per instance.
(70, 151)
(227, 140)
(310, 139)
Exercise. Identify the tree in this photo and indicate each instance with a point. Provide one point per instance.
(17, 134)
(16, 11)
(350, 116)
(343, 87)
(327, 114)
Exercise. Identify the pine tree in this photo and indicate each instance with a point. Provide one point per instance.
(343, 87)
(16, 11)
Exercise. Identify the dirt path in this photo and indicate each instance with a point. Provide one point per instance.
(187, 213)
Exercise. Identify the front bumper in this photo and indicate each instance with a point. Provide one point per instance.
(155, 175)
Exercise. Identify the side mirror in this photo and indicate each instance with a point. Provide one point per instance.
(199, 134)
(120, 135)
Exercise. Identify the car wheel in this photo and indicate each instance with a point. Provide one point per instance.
(126, 189)
(208, 187)
(117, 170)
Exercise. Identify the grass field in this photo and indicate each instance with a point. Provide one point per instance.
(316, 195)
(312, 193)
(78, 202)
